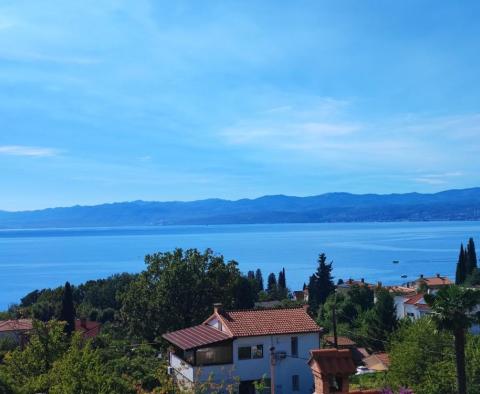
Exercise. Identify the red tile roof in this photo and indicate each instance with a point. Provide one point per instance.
(377, 361)
(342, 341)
(88, 328)
(332, 361)
(15, 325)
(257, 322)
(197, 336)
(436, 281)
(414, 300)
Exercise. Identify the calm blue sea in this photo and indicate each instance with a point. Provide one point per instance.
(34, 259)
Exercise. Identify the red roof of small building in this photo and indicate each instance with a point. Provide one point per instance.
(436, 281)
(342, 341)
(414, 299)
(88, 328)
(15, 325)
(258, 322)
(332, 361)
(197, 336)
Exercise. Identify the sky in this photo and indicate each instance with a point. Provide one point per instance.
(104, 101)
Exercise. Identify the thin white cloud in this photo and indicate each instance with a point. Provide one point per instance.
(30, 151)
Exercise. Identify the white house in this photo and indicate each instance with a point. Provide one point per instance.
(245, 346)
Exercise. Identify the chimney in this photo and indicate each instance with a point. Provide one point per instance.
(83, 322)
(438, 275)
(217, 308)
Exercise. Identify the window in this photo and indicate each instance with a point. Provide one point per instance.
(294, 346)
(248, 352)
(257, 351)
(220, 354)
(244, 353)
(295, 383)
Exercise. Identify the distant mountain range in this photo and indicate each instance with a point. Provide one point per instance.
(331, 207)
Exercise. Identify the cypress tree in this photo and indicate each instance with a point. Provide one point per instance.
(272, 286)
(250, 275)
(259, 279)
(67, 313)
(282, 285)
(471, 258)
(282, 281)
(461, 271)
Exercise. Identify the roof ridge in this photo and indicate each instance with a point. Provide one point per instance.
(263, 309)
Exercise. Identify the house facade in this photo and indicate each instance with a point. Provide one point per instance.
(242, 347)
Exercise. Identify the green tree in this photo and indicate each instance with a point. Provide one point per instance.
(244, 293)
(28, 369)
(177, 290)
(272, 286)
(67, 312)
(471, 257)
(81, 370)
(361, 296)
(282, 285)
(321, 284)
(379, 322)
(259, 279)
(452, 309)
(461, 271)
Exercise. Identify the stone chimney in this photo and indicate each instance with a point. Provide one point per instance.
(217, 307)
(331, 369)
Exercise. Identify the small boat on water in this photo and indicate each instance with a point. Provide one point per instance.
(395, 261)
(403, 276)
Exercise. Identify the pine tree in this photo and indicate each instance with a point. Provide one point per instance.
(67, 313)
(321, 284)
(272, 286)
(471, 258)
(461, 271)
(259, 279)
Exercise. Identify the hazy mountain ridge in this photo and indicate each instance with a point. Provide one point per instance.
(461, 204)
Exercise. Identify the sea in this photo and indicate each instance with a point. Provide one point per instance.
(386, 252)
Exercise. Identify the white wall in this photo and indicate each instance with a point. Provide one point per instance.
(255, 369)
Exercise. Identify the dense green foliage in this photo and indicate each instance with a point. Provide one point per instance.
(467, 271)
(53, 363)
(452, 311)
(423, 358)
(178, 290)
(321, 284)
(67, 311)
(358, 317)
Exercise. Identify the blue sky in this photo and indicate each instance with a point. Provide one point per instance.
(106, 101)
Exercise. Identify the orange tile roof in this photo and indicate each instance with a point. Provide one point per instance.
(15, 325)
(332, 361)
(436, 281)
(342, 341)
(414, 300)
(257, 322)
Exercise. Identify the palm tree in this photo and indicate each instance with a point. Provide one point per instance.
(452, 310)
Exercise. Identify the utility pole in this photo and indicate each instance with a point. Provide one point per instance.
(334, 321)
(272, 370)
